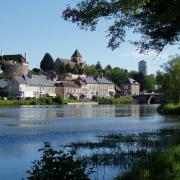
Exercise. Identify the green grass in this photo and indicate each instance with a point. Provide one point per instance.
(169, 109)
(33, 101)
(60, 101)
(116, 101)
(156, 166)
(66, 101)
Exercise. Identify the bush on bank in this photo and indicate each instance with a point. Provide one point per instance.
(169, 109)
(161, 165)
(58, 165)
(116, 101)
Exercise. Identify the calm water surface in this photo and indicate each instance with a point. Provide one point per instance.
(22, 130)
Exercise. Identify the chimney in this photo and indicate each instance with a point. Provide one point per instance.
(25, 56)
(29, 74)
(1, 54)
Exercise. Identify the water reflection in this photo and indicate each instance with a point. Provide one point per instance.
(22, 130)
(75, 111)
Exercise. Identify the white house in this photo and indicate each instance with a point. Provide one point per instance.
(68, 89)
(106, 88)
(99, 87)
(91, 85)
(130, 87)
(31, 86)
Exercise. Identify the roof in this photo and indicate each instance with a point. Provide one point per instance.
(80, 82)
(142, 61)
(14, 57)
(35, 80)
(103, 81)
(68, 84)
(3, 83)
(66, 61)
(76, 54)
(89, 80)
(131, 81)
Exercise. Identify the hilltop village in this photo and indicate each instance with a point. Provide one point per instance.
(68, 78)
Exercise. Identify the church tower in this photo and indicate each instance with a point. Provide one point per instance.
(76, 57)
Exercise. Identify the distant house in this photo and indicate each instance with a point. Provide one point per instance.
(31, 86)
(3, 87)
(130, 87)
(106, 88)
(99, 87)
(76, 58)
(85, 88)
(14, 65)
(68, 89)
(92, 86)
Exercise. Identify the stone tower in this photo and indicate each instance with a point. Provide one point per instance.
(76, 57)
(142, 67)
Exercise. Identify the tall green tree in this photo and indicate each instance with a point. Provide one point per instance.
(150, 82)
(139, 77)
(75, 70)
(169, 80)
(98, 66)
(47, 63)
(36, 71)
(91, 71)
(61, 68)
(80, 69)
(108, 67)
(117, 75)
(157, 21)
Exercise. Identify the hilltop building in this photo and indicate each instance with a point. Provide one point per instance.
(24, 84)
(14, 65)
(142, 67)
(76, 58)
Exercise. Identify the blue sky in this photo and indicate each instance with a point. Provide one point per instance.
(36, 27)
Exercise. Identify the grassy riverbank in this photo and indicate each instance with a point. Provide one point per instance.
(169, 109)
(33, 101)
(159, 165)
(112, 101)
(60, 101)
(116, 101)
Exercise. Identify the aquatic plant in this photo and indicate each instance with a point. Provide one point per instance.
(125, 150)
(159, 165)
(58, 165)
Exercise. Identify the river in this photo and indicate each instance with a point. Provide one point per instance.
(23, 129)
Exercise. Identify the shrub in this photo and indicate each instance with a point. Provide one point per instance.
(58, 100)
(10, 97)
(48, 100)
(157, 166)
(120, 100)
(58, 165)
(95, 98)
(170, 109)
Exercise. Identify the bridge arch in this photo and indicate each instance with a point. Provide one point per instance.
(151, 99)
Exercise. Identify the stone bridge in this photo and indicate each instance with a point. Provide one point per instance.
(149, 98)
